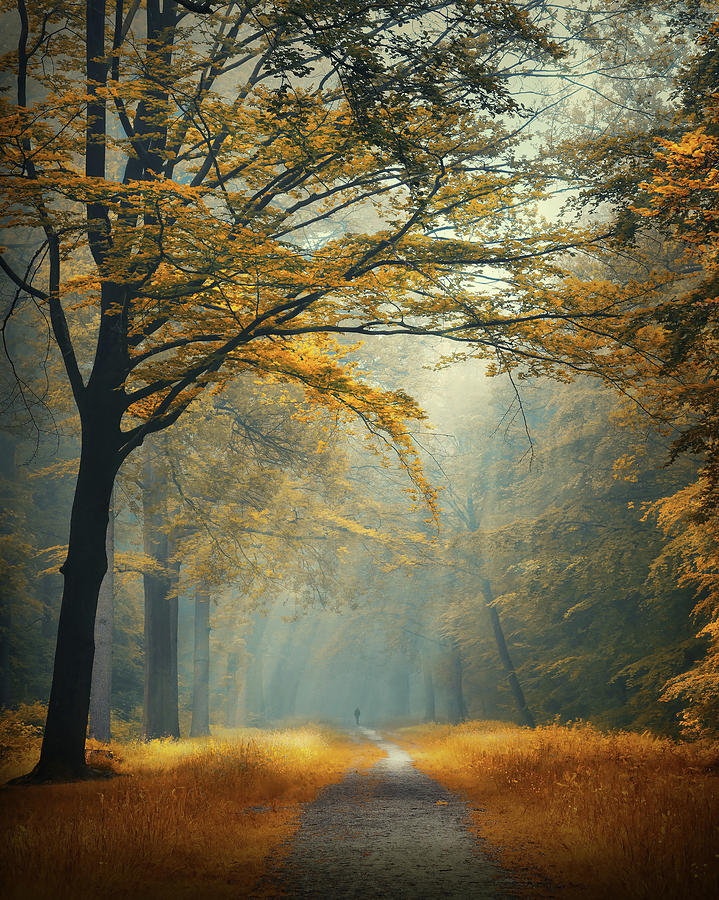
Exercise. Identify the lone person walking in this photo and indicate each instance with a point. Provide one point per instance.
(357, 714)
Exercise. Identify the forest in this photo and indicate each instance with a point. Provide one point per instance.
(359, 448)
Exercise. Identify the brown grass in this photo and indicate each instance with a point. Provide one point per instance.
(190, 819)
(589, 814)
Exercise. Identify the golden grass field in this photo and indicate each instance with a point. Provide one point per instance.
(580, 812)
(184, 819)
(591, 815)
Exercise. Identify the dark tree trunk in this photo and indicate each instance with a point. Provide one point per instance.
(63, 747)
(173, 686)
(430, 714)
(101, 689)
(5, 632)
(100, 402)
(7, 471)
(161, 716)
(201, 677)
(525, 716)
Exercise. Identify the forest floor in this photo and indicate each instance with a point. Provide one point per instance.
(184, 820)
(480, 810)
(392, 833)
(583, 813)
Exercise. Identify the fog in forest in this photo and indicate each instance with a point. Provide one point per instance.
(311, 583)
(359, 417)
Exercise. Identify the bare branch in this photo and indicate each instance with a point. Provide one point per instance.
(20, 282)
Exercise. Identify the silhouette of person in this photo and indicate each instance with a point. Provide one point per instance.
(357, 714)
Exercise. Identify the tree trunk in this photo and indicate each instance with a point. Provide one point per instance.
(255, 692)
(292, 689)
(231, 689)
(7, 473)
(300, 659)
(161, 716)
(5, 632)
(277, 680)
(525, 716)
(255, 711)
(101, 689)
(430, 714)
(201, 679)
(398, 692)
(457, 705)
(63, 748)
(173, 686)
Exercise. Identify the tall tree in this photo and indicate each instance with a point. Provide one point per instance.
(215, 182)
(468, 515)
(201, 670)
(161, 580)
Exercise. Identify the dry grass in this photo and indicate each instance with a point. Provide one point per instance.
(590, 815)
(191, 819)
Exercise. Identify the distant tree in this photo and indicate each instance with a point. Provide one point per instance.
(161, 537)
(201, 665)
(466, 512)
(585, 584)
(242, 498)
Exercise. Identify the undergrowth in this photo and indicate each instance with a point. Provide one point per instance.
(619, 815)
(183, 819)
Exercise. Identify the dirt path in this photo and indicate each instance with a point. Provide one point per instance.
(392, 833)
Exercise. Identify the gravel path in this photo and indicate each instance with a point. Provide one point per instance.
(394, 833)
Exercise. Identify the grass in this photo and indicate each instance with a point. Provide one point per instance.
(588, 814)
(190, 819)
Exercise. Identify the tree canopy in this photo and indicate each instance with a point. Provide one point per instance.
(197, 193)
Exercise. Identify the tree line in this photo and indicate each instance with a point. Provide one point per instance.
(200, 195)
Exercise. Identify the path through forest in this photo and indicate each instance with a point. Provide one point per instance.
(393, 832)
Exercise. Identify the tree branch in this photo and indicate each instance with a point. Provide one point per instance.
(196, 7)
(59, 325)
(20, 282)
